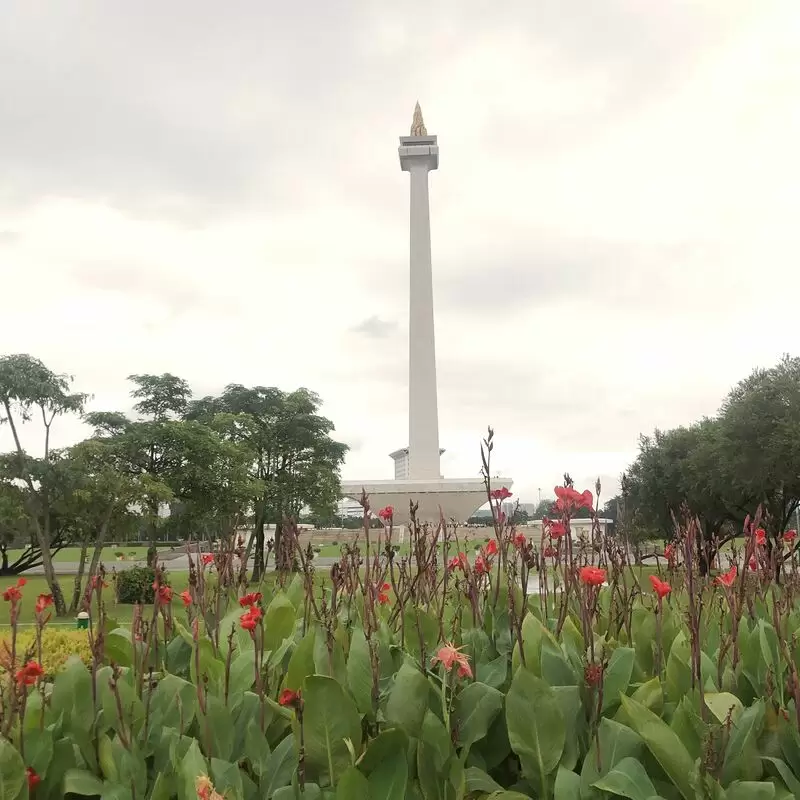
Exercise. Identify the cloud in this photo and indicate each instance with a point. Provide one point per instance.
(375, 328)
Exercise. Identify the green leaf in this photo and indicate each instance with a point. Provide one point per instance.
(301, 663)
(81, 782)
(617, 676)
(434, 735)
(13, 777)
(408, 700)
(39, 751)
(119, 648)
(278, 621)
(191, 768)
(567, 786)
(256, 748)
(280, 767)
(242, 675)
(650, 695)
(475, 709)
(359, 671)
(389, 779)
(750, 790)
(329, 717)
(352, 785)
(664, 744)
(478, 781)
(723, 703)
(627, 779)
(741, 745)
(216, 728)
(616, 741)
(72, 682)
(493, 673)
(175, 700)
(536, 728)
(227, 779)
(786, 775)
(388, 741)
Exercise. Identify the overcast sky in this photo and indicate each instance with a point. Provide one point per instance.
(214, 190)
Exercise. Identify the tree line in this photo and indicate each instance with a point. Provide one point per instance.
(251, 453)
(724, 467)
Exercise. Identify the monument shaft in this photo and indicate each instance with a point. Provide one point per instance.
(419, 154)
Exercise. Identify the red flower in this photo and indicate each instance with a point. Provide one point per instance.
(556, 530)
(500, 494)
(33, 778)
(386, 513)
(669, 552)
(164, 594)
(761, 537)
(661, 588)
(550, 551)
(727, 578)
(383, 598)
(480, 566)
(249, 599)
(42, 602)
(207, 558)
(186, 597)
(520, 541)
(456, 562)
(96, 581)
(448, 656)
(593, 576)
(289, 699)
(569, 499)
(249, 620)
(28, 675)
(790, 536)
(13, 593)
(753, 564)
(491, 548)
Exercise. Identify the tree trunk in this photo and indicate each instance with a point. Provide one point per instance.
(52, 581)
(258, 537)
(4, 552)
(77, 589)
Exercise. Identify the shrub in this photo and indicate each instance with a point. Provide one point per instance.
(136, 584)
(58, 644)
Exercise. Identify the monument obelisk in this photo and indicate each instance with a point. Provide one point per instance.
(419, 155)
(417, 476)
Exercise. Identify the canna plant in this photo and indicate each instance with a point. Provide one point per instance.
(435, 676)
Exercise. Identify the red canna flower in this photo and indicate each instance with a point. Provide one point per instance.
(761, 537)
(661, 588)
(383, 597)
(186, 597)
(550, 551)
(207, 558)
(569, 500)
(500, 494)
(13, 593)
(386, 513)
(556, 530)
(727, 578)
(448, 656)
(520, 541)
(97, 582)
(753, 564)
(248, 622)
(491, 548)
(455, 563)
(593, 576)
(42, 602)
(480, 566)
(669, 552)
(28, 675)
(249, 599)
(289, 699)
(790, 536)
(165, 595)
(592, 674)
(33, 779)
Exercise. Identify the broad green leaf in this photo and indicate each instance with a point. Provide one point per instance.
(787, 776)
(278, 621)
(476, 707)
(329, 718)
(721, 704)
(434, 735)
(72, 682)
(750, 790)
(493, 673)
(555, 667)
(664, 744)
(650, 695)
(280, 766)
(617, 676)
(408, 700)
(477, 780)
(301, 662)
(217, 725)
(567, 786)
(81, 782)
(256, 748)
(119, 648)
(353, 785)
(740, 752)
(174, 703)
(381, 747)
(227, 778)
(390, 778)
(359, 671)
(12, 771)
(39, 751)
(575, 726)
(191, 767)
(616, 742)
(536, 728)
(311, 791)
(627, 779)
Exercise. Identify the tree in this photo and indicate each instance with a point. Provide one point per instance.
(28, 387)
(292, 455)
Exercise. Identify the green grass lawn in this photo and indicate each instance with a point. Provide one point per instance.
(73, 554)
